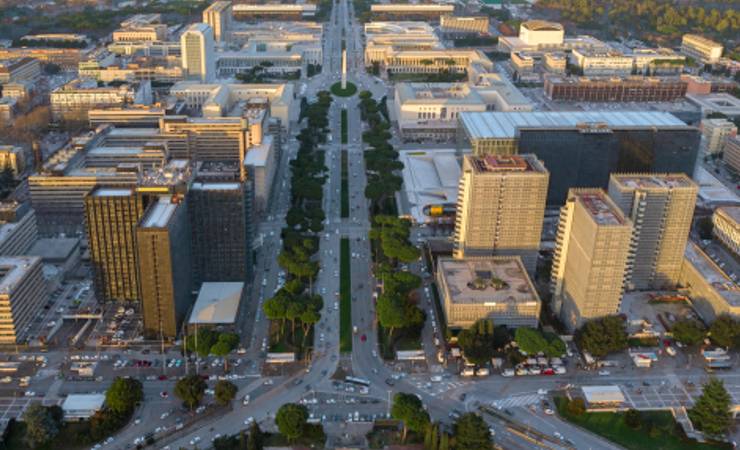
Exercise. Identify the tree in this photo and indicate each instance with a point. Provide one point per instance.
(123, 395)
(725, 331)
(291, 420)
(190, 390)
(254, 442)
(471, 433)
(391, 312)
(224, 392)
(602, 336)
(533, 342)
(477, 342)
(711, 412)
(632, 418)
(40, 425)
(576, 406)
(221, 349)
(409, 409)
(688, 331)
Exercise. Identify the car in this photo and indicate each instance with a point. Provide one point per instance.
(195, 440)
(137, 421)
(604, 373)
(218, 435)
(363, 338)
(248, 420)
(164, 415)
(390, 381)
(246, 399)
(163, 394)
(549, 411)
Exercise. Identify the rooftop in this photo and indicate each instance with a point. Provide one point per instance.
(603, 394)
(713, 274)
(160, 213)
(506, 125)
(83, 402)
(654, 181)
(487, 281)
(218, 302)
(411, 7)
(111, 192)
(198, 186)
(542, 25)
(599, 206)
(54, 249)
(730, 212)
(506, 163)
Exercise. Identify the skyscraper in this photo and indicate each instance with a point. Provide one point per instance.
(500, 207)
(220, 218)
(591, 257)
(218, 17)
(163, 250)
(111, 216)
(661, 207)
(197, 53)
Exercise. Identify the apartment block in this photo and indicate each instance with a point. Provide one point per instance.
(18, 228)
(112, 215)
(701, 49)
(726, 220)
(455, 26)
(19, 69)
(614, 89)
(591, 257)
(712, 292)
(23, 293)
(716, 132)
(500, 207)
(198, 53)
(163, 251)
(731, 153)
(661, 208)
(218, 16)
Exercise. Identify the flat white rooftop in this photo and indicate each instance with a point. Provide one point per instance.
(505, 125)
(217, 303)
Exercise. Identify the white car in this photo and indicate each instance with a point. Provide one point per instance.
(604, 373)
(195, 440)
(246, 400)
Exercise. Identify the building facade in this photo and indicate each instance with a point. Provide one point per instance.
(220, 220)
(197, 52)
(111, 215)
(218, 16)
(581, 149)
(456, 26)
(23, 293)
(661, 208)
(18, 229)
(500, 207)
(591, 257)
(716, 132)
(163, 251)
(712, 292)
(429, 12)
(701, 49)
(726, 220)
(731, 153)
(631, 89)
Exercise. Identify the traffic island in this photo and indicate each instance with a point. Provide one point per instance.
(348, 91)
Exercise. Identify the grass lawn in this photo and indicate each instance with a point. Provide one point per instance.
(337, 90)
(344, 126)
(345, 298)
(344, 207)
(289, 341)
(666, 435)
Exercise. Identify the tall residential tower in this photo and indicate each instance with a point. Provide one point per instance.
(500, 207)
(197, 52)
(661, 207)
(591, 257)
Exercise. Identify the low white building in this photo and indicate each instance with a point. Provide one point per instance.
(603, 396)
(217, 304)
(82, 406)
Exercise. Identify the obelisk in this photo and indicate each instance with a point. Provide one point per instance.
(344, 69)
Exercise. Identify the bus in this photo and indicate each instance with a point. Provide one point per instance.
(358, 381)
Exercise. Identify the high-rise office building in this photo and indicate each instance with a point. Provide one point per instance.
(23, 293)
(581, 149)
(197, 52)
(163, 244)
(591, 257)
(716, 132)
(220, 219)
(111, 216)
(500, 207)
(661, 207)
(218, 17)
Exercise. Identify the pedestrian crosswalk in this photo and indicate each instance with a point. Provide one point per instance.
(517, 401)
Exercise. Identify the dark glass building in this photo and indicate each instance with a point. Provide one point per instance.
(111, 216)
(577, 158)
(220, 218)
(163, 244)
